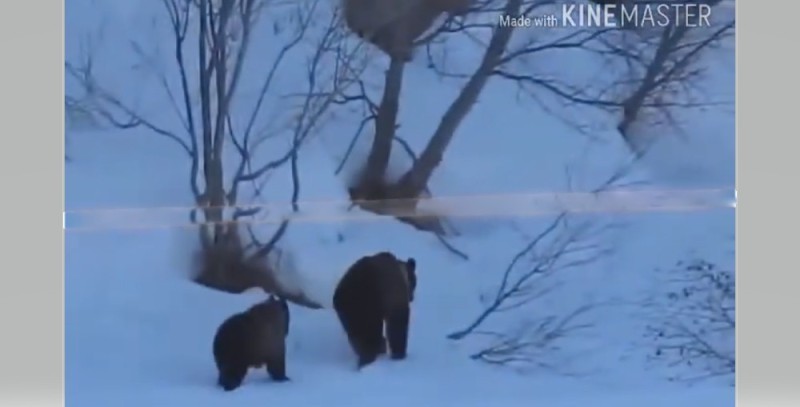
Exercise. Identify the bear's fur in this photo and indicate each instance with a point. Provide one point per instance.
(375, 291)
(252, 339)
(394, 25)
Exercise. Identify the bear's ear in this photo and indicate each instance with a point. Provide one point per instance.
(411, 265)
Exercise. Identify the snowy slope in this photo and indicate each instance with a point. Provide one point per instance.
(138, 333)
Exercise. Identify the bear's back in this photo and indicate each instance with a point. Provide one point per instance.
(231, 335)
(379, 277)
(268, 329)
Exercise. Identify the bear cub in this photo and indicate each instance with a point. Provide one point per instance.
(376, 293)
(253, 338)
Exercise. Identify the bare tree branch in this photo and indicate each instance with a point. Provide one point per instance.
(83, 75)
(533, 342)
(529, 277)
(558, 246)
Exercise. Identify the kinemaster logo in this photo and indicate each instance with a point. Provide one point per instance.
(621, 14)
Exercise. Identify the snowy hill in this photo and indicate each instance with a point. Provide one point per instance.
(138, 332)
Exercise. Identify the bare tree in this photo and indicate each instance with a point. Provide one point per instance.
(371, 190)
(667, 70)
(662, 72)
(371, 185)
(694, 324)
(638, 74)
(415, 180)
(212, 44)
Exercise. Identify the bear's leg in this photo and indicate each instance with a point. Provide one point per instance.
(349, 326)
(397, 332)
(231, 378)
(372, 338)
(276, 366)
(363, 324)
(354, 324)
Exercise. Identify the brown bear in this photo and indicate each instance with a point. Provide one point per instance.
(252, 339)
(394, 25)
(376, 290)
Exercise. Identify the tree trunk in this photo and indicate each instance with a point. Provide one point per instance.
(385, 124)
(214, 203)
(416, 179)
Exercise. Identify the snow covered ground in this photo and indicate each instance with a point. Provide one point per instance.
(139, 333)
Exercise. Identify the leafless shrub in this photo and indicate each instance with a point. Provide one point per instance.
(211, 47)
(560, 246)
(566, 243)
(529, 277)
(225, 266)
(532, 344)
(695, 321)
